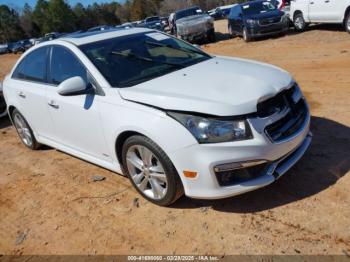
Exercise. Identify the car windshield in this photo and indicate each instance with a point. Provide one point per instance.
(257, 8)
(188, 12)
(130, 60)
(152, 19)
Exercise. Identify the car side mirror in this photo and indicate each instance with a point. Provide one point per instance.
(74, 86)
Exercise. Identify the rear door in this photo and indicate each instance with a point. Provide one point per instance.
(76, 118)
(29, 84)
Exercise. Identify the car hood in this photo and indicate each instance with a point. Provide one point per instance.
(219, 86)
(193, 19)
(269, 14)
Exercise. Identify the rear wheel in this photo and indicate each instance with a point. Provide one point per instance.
(24, 131)
(151, 171)
(299, 22)
(347, 23)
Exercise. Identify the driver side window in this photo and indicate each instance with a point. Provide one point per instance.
(65, 65)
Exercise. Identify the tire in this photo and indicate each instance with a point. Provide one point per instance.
(246, 36)
(212, 37)
(24, 131)
(151, 171)
(230, 32)
(299, 23)
(347, 23)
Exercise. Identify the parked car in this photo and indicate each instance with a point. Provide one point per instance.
(165, 22)
(304, 12)
(171, 117)
(220, 12)
(153, 22)
(192, 24)
(3, 48)
(256, 19)
(3, 107)
(100, 28)
(17, 47)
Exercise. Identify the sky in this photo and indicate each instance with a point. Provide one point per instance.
(20, 3)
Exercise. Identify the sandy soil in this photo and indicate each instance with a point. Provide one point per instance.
(50, 205)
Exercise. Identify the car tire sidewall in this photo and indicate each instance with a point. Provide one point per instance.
(303, 25)
(35, 145)
(175, 189)
(347, 23)
(246, 36)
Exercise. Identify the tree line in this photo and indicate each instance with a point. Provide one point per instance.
(58, 16)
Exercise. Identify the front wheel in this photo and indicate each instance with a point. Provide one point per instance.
(299, 23)
(24, 131)
(246, 36)
(151, 171)
(347, 23)
(211, 37)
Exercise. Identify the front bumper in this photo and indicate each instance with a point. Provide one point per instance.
(280, 157)
(273, 29)
(197, 36)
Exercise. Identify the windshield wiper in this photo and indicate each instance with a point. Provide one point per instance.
(147, 59)
(177, 48)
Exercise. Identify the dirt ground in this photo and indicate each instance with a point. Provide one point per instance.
(50, 205)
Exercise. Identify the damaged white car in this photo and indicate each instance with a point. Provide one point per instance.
(169, 116)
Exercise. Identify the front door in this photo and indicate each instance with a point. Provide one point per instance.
(76, 118)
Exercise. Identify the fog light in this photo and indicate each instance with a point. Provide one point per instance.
(233, 166)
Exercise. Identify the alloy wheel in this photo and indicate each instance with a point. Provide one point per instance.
(23, 130)
(147, 172)
(299, 23)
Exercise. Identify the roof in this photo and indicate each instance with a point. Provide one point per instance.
(90, 37)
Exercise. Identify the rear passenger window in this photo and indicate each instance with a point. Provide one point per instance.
(65, 65)
(33, 66)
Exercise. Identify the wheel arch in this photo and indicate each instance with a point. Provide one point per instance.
(297, 12)
(347, 12)
(120, 140)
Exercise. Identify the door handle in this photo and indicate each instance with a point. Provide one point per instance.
(327, 1)
(53, 104)
(311, 3)
(21, 94)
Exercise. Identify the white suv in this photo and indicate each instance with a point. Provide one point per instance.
(303, 12)
(171, 117)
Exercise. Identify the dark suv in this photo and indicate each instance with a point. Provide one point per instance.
(255, 19)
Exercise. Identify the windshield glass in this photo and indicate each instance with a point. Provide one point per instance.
(152, 19)
(257, 8)
(188, 12)
(133, 59)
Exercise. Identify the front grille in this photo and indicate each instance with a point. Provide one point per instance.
(292, 110)
(277, 103)
(2, 104)
(288, 125)
(269, 21)
(238, 176)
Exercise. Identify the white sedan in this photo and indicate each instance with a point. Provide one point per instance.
(166, 114)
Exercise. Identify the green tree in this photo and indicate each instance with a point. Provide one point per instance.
(10, 29)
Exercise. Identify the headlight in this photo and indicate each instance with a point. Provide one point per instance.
(251, 22)
(210, 130)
